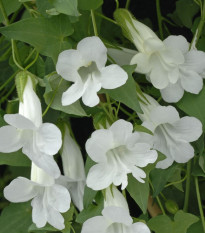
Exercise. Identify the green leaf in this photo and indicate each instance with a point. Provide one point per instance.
(16, 218)
(68, 7)
(89, 4)
(186, 10)
(193, 105)
(163, 224)
(10, 7)
(55, 86)
(45, 34)
(139, 192)
(14, 159)
(196, 228)
(92, 210)
(33, 228)
(89, 196)
(127, 93)
(160, 177)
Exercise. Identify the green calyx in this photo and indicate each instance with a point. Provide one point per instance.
(21, 80)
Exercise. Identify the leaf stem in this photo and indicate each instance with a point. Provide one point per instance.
(187, 191)
(159, 18)
(8, 94)
(13, 55)
(127, 4)
(117, 4)
(106, 18)
(94, 23)
(8, 81)
(33, 62)
(199, 202)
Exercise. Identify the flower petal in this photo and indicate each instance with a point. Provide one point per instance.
(195, 60)
(121, 131)
(93, 49)
(187, 128)
(138, 173)
(74, 92)
(10, 139)
(162, 114)
(165, 163)
(39, 215)
(19, 121)
(140, 227)
(96, 224)
(55, 218)
(159, 77)
(48, 139)
(191, 81)
(97, 146)
(31, 105)
(117, 215)
(58, 197)
(20, 190)
(177, 42)
(113, 76)
(90, 97)
(142, 61)
(172, 93)
(153, 44)
(69, 61)
(99, 176)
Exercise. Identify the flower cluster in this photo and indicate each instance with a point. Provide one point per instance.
(116, 150)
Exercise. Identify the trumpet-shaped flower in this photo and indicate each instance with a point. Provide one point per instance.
(172, 134)
(117, 152)
(115, 216)
(85, 66)
(73, 167)
(190, 72)
(48, 199)
(158, 61)
(39, 141)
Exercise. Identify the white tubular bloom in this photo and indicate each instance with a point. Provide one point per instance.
(85, 66)
(172, 134)
(115, 217)
(39, 141)
(158, 61)
(48, 199)
(190, 72)
(117, 152)
(73, 167)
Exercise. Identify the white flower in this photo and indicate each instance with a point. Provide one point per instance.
(190, 72)
(85, 66)
(171, 134)
(48, 199)
(117, 152)
(38, 141)
(113, 220)
(158, 61)
(73, 167)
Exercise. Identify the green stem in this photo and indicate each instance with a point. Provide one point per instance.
(159, 18)
(8, 81)
(13, 55)
(199, 202)
(106, 18)
(8, 94)
(94, 23)
(4, 13)
(52, 99)
(176, 182)
(33, 62)
(187, 191)
(117, 4)
(29, 56)
(127, 4)
(110, 107)
(106, 111)
(200, 26)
